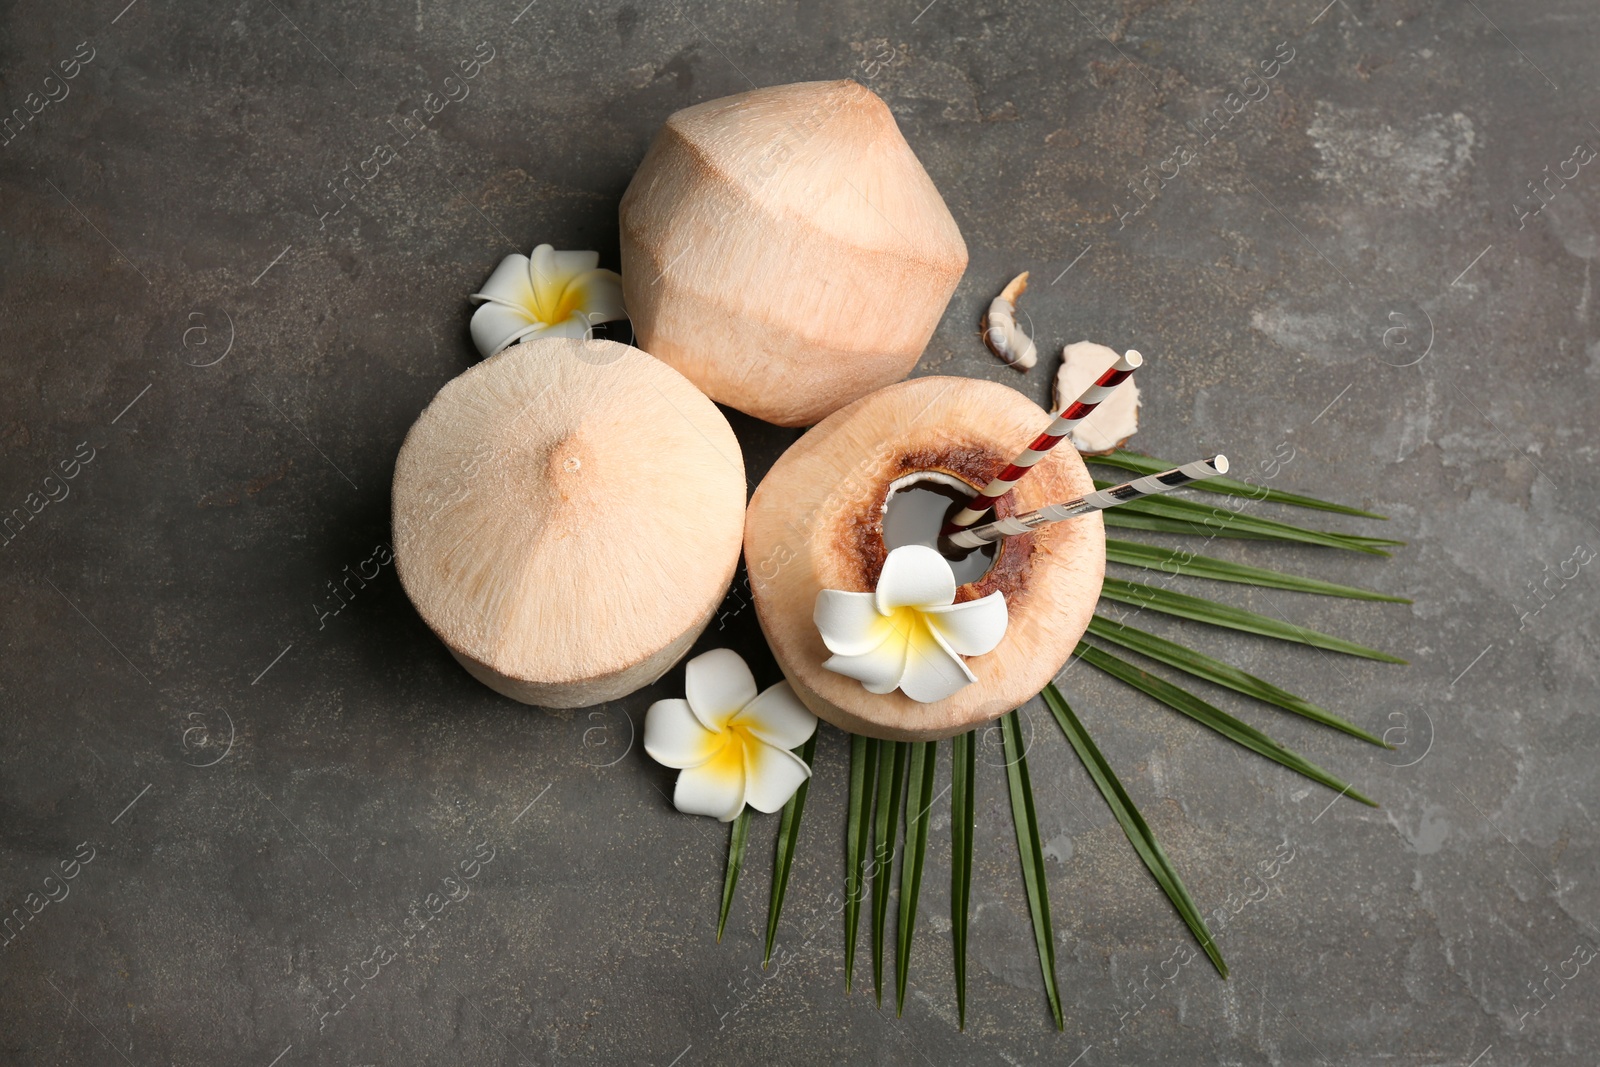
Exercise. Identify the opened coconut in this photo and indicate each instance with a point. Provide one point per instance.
(817, 522)
(786, 251)
(567, 518)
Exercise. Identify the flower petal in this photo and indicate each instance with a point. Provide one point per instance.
(508, 285)
(494, 326)
(772, 775)
(879, 670)
(675, 738)
(715, 788)
(849, 622)
(569, 264)
(718, 684)
(549, 280)
(595, 296)
(933, 671)
(914, 576)
(972, 628)
(778, 718)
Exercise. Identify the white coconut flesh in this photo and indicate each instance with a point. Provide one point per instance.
(1117, 417)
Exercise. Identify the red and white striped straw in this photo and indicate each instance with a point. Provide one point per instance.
(1063, 424)
(1164, 482)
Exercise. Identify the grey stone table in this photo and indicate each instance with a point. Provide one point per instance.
(1367, 276)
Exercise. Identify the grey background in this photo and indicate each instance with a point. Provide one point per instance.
(267, 795)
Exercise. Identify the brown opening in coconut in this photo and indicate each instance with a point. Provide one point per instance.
(915, 512)
(1006, 562)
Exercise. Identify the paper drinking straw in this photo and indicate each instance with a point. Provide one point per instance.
(1165, 482)
(1073, 414)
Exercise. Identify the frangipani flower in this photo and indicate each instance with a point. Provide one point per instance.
(550, 294)
(909, 634)
(731, 744)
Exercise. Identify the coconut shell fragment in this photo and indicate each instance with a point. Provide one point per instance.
(1003, 334)
(1110, 425)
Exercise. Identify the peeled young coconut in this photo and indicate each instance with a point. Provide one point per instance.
(816, 522)
(567, 517)
(1110, 425)
(785, 249)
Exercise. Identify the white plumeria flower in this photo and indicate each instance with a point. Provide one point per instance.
(909, 634)
(731, 744)
(550, 294)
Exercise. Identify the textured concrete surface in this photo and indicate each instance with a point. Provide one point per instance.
(1349, 285)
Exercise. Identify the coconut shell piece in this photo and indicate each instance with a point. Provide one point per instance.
(1110, 425)
(1001, 331)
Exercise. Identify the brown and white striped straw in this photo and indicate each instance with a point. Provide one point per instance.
(1063, 424)
(1165, 482)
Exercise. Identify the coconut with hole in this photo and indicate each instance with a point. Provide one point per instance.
(817, 522)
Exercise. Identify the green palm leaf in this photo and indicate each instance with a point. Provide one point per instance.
(963, 818)
(1142, 464)
(1183, 701)
(1218, 673)
(1144, 842)
(1214, 518)
(919, 792)
(891, 785)
(1174, 561)
(788, 837)
(1032, 856)
(737, 837)
(1209, 611)
(858, 830)
(1121, 517)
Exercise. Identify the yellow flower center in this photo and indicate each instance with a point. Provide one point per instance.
(911, 626)
(729, 760)
(555, 306)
